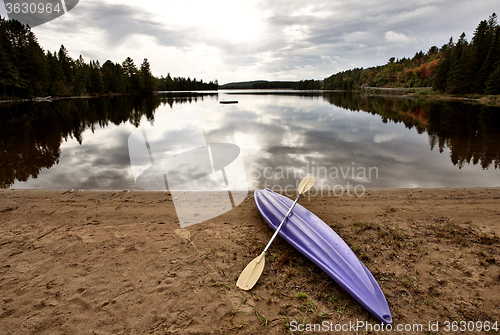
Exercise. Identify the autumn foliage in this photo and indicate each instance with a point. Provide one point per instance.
(418, 71)
(456, 68)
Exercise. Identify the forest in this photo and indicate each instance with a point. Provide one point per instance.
(460, 67)
(27, 71)
(294, 85)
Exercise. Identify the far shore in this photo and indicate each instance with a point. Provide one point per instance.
(425, 93)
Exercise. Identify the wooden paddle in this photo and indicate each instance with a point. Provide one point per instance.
(253, 270)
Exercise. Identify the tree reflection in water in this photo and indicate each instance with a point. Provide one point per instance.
(470, 130)
(31, 134)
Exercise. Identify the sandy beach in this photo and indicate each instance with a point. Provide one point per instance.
(101, 262)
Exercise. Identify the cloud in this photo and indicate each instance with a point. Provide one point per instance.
(393, 37)
(381, 138)
(119, 22)
(248, 40)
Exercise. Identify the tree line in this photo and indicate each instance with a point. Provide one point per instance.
(455, 68)
(27, 71)
(183, 84)
(293, 85)
(418, 71)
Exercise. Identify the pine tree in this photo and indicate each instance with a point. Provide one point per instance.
(67, 65)
(462, 71)
(37, 71)
(129, 68)
(25, 65)
(118, 79)
(82, 76)
(485, 44)
(108, 76)
(444, 66)
(96, 83)
(169, 83)
(493, 84)
(58, 82)
(132, 74)
(148, 81)
(9, 76)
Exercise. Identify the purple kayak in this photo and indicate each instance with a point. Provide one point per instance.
(317, 241)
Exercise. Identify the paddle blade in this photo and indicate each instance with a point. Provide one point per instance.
(306, 184)
(251, 273)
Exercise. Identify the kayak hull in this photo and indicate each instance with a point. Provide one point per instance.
(318, 242)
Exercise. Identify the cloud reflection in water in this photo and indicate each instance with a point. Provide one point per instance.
(283, 134)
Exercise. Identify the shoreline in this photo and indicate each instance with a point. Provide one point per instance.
(424, 93)
(493, 100)
(118, 262)
(367, 188)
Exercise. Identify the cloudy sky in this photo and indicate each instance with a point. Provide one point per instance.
(233, 40)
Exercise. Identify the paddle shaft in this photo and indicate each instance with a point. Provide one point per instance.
(281, 224)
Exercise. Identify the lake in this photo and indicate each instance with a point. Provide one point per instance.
(347, 141)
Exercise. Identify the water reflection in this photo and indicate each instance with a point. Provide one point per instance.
(82, 143)
(471, 131)
(31, 133)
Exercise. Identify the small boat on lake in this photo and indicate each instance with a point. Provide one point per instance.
(228, 102)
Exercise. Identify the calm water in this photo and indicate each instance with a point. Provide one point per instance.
(341, 139)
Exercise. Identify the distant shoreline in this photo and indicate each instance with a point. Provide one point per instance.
(489, 100)
(424, 93)
(41, 99)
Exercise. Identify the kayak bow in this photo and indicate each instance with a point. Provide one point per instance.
(317, 241)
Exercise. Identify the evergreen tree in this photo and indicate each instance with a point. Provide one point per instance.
(493, 84)
(9, 75)
(169, 83)
(485, 42)
(148, 81)
(82, 76)
(35, 67)
(129, 68)
(118, 79)
(24, 64)
(132, 74)
(462, 71)
(96, 82)
(67, 65)
(58, 82)
(26, 70)
(107, 71)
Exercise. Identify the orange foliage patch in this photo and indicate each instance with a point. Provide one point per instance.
(431, 68)
(422, 71)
